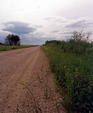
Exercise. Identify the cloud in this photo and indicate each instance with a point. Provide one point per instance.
(32, 39)
(56, 19)
(3, 35)
(50, 28)
(63, 27)
(77, 24)
(18, 28)
(80, 23)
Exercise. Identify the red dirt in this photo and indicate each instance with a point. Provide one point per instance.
(30, 67)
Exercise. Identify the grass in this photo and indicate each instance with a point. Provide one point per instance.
(72, 64)
(7, 48)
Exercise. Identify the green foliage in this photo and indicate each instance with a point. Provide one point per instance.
(7, 48)
(72, 46)
(72, 63)
(12, 40)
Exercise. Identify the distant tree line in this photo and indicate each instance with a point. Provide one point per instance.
(76, 36)
(12, 40)
(53, 41)
(78, 44)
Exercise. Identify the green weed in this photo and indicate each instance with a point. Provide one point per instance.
(72, 64)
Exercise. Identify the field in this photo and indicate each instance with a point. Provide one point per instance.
(72, 64)
(7, 48)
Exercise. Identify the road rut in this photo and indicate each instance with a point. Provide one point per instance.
(27, 66)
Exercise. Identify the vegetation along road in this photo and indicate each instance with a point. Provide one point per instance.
(27, 84)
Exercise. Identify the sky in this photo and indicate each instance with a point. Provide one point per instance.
(36, 21)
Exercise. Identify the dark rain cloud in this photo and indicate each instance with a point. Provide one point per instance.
(18, 28)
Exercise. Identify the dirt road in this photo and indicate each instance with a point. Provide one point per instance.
(27, 84)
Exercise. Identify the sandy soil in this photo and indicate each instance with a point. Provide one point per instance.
(27, 84)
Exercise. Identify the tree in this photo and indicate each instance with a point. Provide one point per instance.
(78, 36)
(12, 40)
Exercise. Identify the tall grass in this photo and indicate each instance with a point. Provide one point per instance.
(72, 64)
(7, 48)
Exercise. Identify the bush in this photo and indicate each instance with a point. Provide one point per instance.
(72, 63)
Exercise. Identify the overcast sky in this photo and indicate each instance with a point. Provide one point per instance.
(38, 20)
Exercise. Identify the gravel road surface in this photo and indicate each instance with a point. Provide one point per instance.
(27, 84)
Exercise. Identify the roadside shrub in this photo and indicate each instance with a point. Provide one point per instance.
(72, 63)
